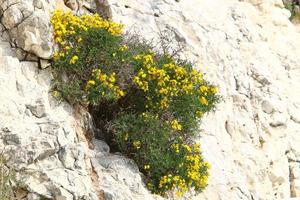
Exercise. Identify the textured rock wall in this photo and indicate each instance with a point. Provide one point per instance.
(248, 48)
(251, 51)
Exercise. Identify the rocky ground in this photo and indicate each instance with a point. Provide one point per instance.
(248, 48)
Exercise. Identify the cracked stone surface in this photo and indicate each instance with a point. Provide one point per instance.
(39, 136)
(28, 25)
(249, 49)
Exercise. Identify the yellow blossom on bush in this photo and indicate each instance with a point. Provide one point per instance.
(65, 23)
(175, 125)
(199, 114)
(73, 60)
(126, 135)
(90, 84)
(175, 147)
(106, 82)
(123, 48)
(203, 88)
(147, 166)
(193, 165)
(55, 93)
(214, 90)
(203, 101)
(137, 144)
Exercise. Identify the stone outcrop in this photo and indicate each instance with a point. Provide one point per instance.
(249, 49)
(28, 24)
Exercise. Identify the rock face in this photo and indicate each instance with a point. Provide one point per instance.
(28, 24)
(39, 136)
(249, 49)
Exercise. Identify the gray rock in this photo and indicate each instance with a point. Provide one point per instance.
(100, 146)
(278, 119)
(38, 108)
(29, 27)
(267, 107)
(34, 35)
(248, 48)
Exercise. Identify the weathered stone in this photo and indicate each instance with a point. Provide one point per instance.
(38, 108)
(44, 64)
(278, 119)
(249, 49)
(100, 146)
(33, 134)
(294, 113)
(34, 35)
(72, 4)
(28, 23)
(11, 17)
(267, 107)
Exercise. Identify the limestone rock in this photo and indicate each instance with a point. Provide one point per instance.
(39, 139)
(116, 174)
(249, 49)
(239, 45)
(28, 23)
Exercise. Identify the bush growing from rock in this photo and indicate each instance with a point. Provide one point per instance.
(148, 104)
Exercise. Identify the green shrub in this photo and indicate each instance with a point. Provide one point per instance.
(148, 104)
(162, 154)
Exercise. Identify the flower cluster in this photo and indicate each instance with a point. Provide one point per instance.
(67, 28)
(103, 85)
(192, 172)
(70, 33)
(66, 24)
(175, 125)
(164, 83)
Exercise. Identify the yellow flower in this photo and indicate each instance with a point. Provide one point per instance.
(214, 90)
(148, 59)
(175, 125)
(137, 144)
(137, 57)
(120, 93)
(203, 88)
(175, 147)
(163, 91)
(203, 101)
(199, 114)
(112, 79)
(90, 84)
(126, 136)
(147, 166)
(179, 193)
(73, 60)
(164, 103)
(102, 77)
(110, 86)
(55, 93)
(123, 48)
(56, 55)
(189, 149)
